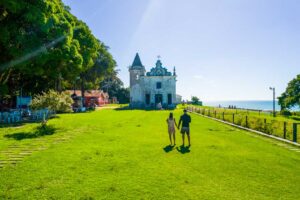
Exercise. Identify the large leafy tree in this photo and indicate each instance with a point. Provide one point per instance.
(114, 86)
(44, 46)
(102, 67)
(36, 41)
(196, 100)
(291, 96)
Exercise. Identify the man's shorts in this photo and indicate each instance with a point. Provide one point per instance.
(185, 130)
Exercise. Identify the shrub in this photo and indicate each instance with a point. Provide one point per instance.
(295, 118)
(296, 113)
(238, 120)
(258, 124)
(58, 102)
(269, 128)
(277, 128)
(285, 112)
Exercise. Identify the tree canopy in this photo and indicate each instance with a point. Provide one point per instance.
(291, 96)
(115, 88)
(196, 100)
(43, 46)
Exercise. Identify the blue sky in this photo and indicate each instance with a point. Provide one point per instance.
(222, 49)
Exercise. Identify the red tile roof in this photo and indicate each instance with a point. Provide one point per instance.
(89, 93)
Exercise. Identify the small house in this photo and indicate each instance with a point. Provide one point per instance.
(91, 97)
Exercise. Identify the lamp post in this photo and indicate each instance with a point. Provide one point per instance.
(273, 89)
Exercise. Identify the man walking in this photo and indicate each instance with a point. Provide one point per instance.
(185, 119)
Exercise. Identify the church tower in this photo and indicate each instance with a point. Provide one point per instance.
(136, 70)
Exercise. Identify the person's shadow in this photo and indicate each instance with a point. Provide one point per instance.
(168, 148)
(183, 149)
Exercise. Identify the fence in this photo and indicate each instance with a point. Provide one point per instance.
(20, 116)
(283, 129)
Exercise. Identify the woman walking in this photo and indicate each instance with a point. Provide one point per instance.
(171, 127)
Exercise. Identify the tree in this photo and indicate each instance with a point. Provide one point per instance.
(291, 96)
(196, 100)
(115, 88)
(54, 101)
(123, 95)
(43, 46)
(36, 44)
(103, 67)
(35, 39)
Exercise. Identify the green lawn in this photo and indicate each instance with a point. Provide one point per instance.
(261, 122)
(264, 115)
(111, 154)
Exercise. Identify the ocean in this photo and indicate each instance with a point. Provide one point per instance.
(254, 104)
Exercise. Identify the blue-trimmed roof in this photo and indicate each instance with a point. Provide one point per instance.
(159, 70)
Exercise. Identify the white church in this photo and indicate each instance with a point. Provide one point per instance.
(154, 89)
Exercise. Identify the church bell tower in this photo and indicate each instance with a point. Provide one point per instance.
(136, 70)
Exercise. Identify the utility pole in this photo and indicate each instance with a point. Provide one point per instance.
(273, 89)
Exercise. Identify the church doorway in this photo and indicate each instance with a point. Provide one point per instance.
(169, 99)
(158, 98)
(147, 99)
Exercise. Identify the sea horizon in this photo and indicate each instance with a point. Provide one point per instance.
(266, 105)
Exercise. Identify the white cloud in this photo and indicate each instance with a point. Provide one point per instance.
(199, 77)
(206, 81)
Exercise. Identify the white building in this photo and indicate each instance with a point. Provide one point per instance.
(153, 89)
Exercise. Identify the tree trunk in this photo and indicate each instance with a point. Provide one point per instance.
(59, 85)
(82, 91)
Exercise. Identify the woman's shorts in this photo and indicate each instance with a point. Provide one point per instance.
(171, 130)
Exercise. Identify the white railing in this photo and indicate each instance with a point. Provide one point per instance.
(18, 116)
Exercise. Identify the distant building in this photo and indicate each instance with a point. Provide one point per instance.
(153, 89)
(91, 97)
(178, 98)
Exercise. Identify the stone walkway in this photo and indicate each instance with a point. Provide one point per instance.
(107, 107)
(15, 153)
(289, 147)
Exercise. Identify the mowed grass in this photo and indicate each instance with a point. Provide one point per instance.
(261, 122)
(120, 155)
(268, 115)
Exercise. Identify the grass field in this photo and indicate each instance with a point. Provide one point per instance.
(257, 121)
(251, 113)
(110, 154)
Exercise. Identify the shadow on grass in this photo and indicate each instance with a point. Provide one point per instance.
(40, 131)
(54, 117)
(24, 122)
(183, 149)
(168, 148)
(19, 124)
